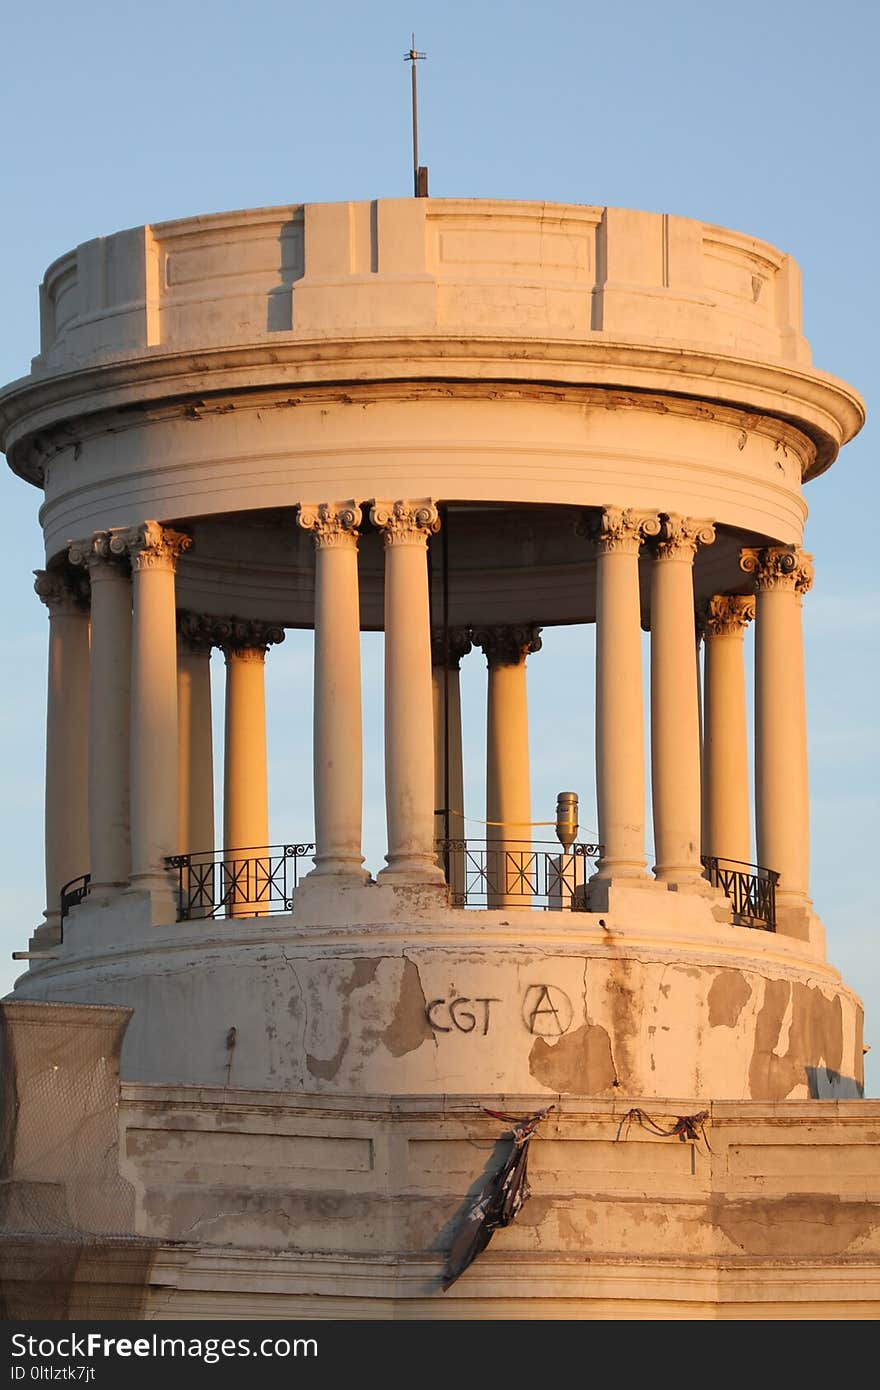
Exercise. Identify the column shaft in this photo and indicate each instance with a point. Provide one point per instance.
(409, 740)
(195, 752)
(246, 782)
(154, 550)
(508, 783)
(67, 736)
(675, 719)
(109, 712)
(449, 823)
(620, 737)
(782, 812)
(727, 825)
(338, 751)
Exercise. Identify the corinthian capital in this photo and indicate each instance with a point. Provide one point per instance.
(244, 637)
(95, 550)
(459, 645)
(508, 646)
(195, 631)
(150, 545)
(726, 615)
(783, 567)
(331, 523)
(405, 522)
(621, 530)
(681, 535)
(63, 591)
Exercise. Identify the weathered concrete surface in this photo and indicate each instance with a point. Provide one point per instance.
(654, 997)
(357, 1198)
(68, 1244)
(189, 1202)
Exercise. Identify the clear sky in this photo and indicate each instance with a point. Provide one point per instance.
(760, 116)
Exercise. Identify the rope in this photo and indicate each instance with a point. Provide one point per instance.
(476, 820)
(685, 1126)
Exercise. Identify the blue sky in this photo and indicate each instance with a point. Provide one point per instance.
(761, 117)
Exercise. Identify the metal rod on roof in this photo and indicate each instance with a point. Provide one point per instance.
(413, 57)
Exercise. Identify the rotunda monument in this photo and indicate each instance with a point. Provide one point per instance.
(459, 423)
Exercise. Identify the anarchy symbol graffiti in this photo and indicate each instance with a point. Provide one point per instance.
(547, 1011)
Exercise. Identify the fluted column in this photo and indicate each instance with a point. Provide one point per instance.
(675, 718)
(447, 650)
(620, 737)
(195, 752)
(726, 820)
(66, 596)
(109, 710)
(154, 551)
(508, 785)
(338, 752)
(409, 738)
(782, 575)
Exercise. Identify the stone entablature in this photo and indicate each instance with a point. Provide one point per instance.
(589, 269)
(425, 291)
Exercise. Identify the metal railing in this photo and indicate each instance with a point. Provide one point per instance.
(72, 893)
(750, 888)
(516, 873)
(249, 882)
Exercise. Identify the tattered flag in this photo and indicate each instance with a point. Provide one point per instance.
(500, 1199)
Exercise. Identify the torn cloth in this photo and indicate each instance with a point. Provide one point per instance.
(498, 1201)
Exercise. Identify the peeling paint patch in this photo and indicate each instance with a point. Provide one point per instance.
(409, 1027)
(581, 1062)
(815, 1035)
(326, 1070)
(363, 974)
(806, 1226)
(728, 996)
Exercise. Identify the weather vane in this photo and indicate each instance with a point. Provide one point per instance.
(420, 171)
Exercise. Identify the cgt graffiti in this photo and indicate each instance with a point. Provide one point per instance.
(546, 1012)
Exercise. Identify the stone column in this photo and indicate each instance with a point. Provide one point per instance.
(409, 738)
(338, 752)
(726, 820)
(66, 596)
(245, 788)
(109, 713)
(782, 575)
(620, 737)
(449, 772)
(508, 790)
(154, 552)
(675, 718)
(195, 752)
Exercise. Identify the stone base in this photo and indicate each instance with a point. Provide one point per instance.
(310, 1206)
(384, 989)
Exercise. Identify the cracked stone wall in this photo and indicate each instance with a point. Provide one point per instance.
(428, 1018)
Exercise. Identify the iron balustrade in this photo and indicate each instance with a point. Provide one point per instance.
(750, 888)
(516, 873)
(249, 882)
(72, 893)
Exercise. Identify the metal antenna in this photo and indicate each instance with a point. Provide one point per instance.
(420, 172)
